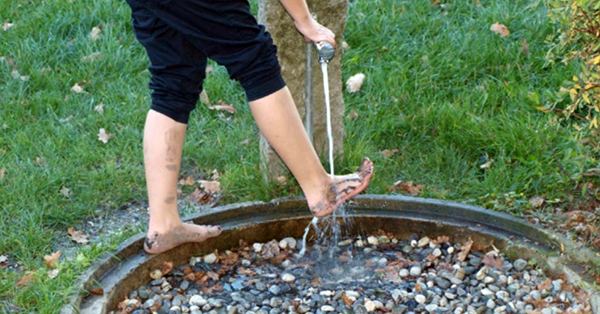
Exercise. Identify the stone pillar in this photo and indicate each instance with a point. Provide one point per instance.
(292, 57)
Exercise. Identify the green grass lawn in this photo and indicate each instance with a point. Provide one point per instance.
(441, 87)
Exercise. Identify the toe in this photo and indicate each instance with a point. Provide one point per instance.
(213, 231)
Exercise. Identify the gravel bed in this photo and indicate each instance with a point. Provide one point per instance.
(375, 274)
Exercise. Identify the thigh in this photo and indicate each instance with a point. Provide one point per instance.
(175, 63)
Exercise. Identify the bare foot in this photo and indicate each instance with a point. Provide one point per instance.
(340, 189)
(156, 242)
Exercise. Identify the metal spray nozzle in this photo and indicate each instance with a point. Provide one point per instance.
(325, 51)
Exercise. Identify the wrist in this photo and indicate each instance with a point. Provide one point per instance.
(303, 20)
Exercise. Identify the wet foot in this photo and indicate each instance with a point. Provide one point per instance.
(340, 189)
(156, 242)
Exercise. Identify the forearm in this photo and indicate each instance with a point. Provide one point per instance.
(297, 9)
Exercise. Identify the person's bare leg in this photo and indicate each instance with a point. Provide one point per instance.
(278, 120)
(163, 146)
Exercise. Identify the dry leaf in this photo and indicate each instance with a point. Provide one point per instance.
(26, 279)
(77, 89)
(545, 285)
(409, 187)
(389, 152)
(166, 267)
(281, 180)
(493, 260)
(345, 46)
(187, 181)
(355, 82)
(97, 291)
(212, 275)
(3, 259)
(441, 240)
(52, 259)
(210, 186)
(215, 175)
(103, 136)
(537, 201)
(500, 29)
(7, 26)
(222, 106)
(92, 57)
(16, 75)
(200, 197)
(204, 98)
(77, 236)
(270, 250)
(464, 250)
(352, 115)
(65, 191)
(2, 172)
(524, 46)
(53, 273)
(99, 108)
(95, 33)
(488, 164)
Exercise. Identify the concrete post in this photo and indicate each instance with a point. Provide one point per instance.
(292, 57)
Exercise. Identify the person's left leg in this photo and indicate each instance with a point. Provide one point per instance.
(278, 120)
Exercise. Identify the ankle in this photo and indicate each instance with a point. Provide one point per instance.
(157, 225)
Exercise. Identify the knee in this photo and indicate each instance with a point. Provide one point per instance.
(175, 97)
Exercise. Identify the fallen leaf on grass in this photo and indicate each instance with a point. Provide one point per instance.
(200, 197)
(281, 180)
(389, 152)
(7, 26)
(53, 273)
(99, 108)
(2, 172)
(500, 29)
(65, 191)
(204, 98)
(95, 33)
(408, 187)
(537, 201)
(26, 279)
(222, 106)
(16, 75)
(352, 115)
(77, 236)
(355, 82)
(524, 46)
(212, 187)
(92, 57)
(187, 181)
(52, 259)
(77, 89)
(464, 251)
(103, 136)
(492, 259)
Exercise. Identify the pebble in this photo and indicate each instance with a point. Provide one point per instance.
(372, 240)
(399, 309)
(198, 300)
(345, 242)
(520, 265)
(288, 242)
(436, 252)
(369, 305)
(210, 258)
(415, 271)
(257, 247)
(275, 290)
(288, 278)
(327, 308)
(403, 272)
(423, 242)
(156, 274)
(420, 298)
(482, 273)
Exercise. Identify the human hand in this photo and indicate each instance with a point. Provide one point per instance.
(315, 32)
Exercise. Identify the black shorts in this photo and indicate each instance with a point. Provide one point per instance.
(179, 36)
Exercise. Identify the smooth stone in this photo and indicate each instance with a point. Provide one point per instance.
(156, 274)
(288, 277)
(399, 309)
(257, 247)
(369, 305)
(490, 304)
(149, 303)
(520, 265)
(246, 262)
(345, 242)
(403, 272)
(372, 240)
(210, 258)
(415, 271)
(423, 242)
(475, 261)
(303, 308)
(261, 286)
(443, 283)
(275, 290)
(420, 298)
(383, 239)
(431, 307)
(327, 308)
(436, 252)
(288, 242)
(198, 300)
(184, 285)
(536, 295)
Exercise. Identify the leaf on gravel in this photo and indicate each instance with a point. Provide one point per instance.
(7, 26)
(97, 291)
(77, 236)
(166, 267)
(500, 29)
(441, 240)
(204, 98)
(464, 251)
(270, 249)
(95, 33)
(187, 181)
(92, 57)
(389, 152)
(77, 89)
(65, 191)
(16, 75)
(99, 108)
(409, 187)
(492, 259)
(537, 201)
(212, 275)
(2, 172)
(355, 82)
(212, 187)
(545, 285)
(103, 136)
(222, 106)
(27, 278)
(53, 273)
(52, 259)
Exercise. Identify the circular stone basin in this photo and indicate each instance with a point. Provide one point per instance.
(117, 273)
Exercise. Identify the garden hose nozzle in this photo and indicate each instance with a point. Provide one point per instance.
(325, 51)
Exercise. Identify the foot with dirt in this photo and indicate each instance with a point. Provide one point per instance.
(157, 242)
(340, 189)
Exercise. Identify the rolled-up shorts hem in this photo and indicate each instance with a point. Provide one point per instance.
(267, 86)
